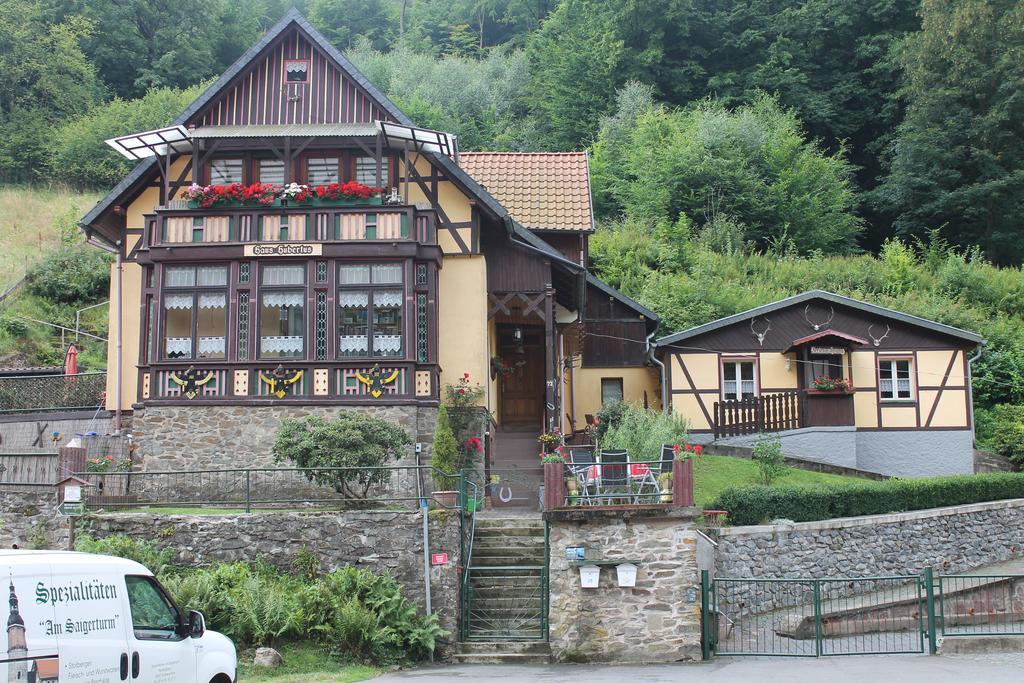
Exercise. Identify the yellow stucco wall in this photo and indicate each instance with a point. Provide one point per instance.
(635, 381)
(131, 286)
(462, 319)
(150, 197)
(950, 411)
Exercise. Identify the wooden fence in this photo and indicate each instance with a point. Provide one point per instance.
(28, 469)
(769, 413)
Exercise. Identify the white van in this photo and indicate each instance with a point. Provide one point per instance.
(93, 619)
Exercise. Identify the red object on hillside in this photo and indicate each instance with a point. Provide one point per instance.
(71, 360)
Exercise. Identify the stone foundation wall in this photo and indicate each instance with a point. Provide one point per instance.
(383, 542)
(656, 621)
(28, 520)
(950, 540)
(212, 437)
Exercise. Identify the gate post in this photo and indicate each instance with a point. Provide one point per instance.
(929, 587)
(818, 636)
(705, 615)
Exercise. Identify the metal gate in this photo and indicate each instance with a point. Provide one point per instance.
(818, 617)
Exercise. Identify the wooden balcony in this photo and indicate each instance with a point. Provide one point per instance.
(384, 381)
(181, 226)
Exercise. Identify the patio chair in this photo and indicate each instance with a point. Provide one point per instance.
(614, 475)
(644, 475)
(584, 467)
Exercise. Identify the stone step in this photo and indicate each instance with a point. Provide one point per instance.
(502, 658)
(970, 645)
(509, 551)
(523, 603)
(482, 647)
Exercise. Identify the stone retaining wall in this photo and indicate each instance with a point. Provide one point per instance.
(383, 542)
(950, 540)
(28, 519)
(656, 621)
(217, 437)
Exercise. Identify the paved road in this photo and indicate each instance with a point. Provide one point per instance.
(863, 669)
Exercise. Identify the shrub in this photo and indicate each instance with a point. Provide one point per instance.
(756, 504)
(609, 416)
(643, 432)
(771, 463)
(351, 440)
(446, 451)
(71, 276)
(1002, 430)
(148, 554)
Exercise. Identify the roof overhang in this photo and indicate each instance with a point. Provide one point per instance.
(402, 136)
(844, 340)
(312, 130)
(820, 294)
(152, 143)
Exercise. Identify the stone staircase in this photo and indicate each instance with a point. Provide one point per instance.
(507, 603)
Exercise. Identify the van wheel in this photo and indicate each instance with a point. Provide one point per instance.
(220, 678)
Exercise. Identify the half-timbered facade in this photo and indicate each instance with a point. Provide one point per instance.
(288, 303)
(840, 381)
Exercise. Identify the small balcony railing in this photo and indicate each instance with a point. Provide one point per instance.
(769, 413)
(183, 226)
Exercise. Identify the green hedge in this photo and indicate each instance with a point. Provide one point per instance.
(760, 504)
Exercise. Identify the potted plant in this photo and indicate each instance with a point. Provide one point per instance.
(554, 478)
(443, 462)
(551, 441)
(341, 194)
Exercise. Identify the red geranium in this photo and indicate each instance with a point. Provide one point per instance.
(475, 443)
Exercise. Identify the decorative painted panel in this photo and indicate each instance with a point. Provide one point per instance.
(200, 383)
(282, 382)
(265, 95)
(349, 384)
(321, 382)
(145, 385)
(241, 382)
(423, 383)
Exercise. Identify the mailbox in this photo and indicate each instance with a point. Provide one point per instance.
(590, 576)
(626, 574)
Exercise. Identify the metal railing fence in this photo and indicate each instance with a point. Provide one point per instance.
(981, 605)
(41, 393)
(399, 486)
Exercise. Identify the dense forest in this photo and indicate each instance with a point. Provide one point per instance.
(741, 150)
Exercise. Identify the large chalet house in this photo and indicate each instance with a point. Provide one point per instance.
(231, 309)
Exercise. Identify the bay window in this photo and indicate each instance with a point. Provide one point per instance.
(282, 320)
(738, 380)
(894, 382)
(370, 302)
(195, 312)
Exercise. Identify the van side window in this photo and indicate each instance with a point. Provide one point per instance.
(154, 616)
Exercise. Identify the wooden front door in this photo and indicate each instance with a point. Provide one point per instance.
(522, 389)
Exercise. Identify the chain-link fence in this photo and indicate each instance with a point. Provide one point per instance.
(41, 393)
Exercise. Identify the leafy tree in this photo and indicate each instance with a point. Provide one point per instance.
(46, 78)
(958, 159)
(751, 166)
(78, 153)
(352, 440)
(343, 21)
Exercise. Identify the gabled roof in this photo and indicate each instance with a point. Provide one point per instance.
(612, 292)
(825, 334)
(292, 17)
(820, 294)
(542, 190)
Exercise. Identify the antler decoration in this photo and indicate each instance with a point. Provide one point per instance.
(760, 335)
(878, 341)
(818, 326)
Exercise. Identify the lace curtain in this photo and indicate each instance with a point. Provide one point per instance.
(281, 344)
(387, 299)
(282, 299)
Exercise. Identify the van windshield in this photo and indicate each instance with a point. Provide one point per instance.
(154, 616)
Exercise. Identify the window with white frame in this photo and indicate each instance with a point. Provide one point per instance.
(738, 380)
(225, 171)
(894, 382)
(366, 171)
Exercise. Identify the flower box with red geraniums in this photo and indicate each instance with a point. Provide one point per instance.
(265, 194)
(829, 385)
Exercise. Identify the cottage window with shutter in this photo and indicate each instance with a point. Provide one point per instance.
(738, 380)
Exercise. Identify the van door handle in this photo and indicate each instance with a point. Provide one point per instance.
(124, 666)
(135, 665)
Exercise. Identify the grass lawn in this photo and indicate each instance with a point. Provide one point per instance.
(714, 473)
(303, 662)
(29, 229)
